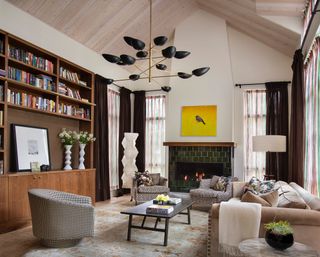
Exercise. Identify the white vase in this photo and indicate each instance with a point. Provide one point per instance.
(67, 157)
(81, 157)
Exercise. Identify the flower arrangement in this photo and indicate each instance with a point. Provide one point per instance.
(162, 198)
(84, 137)
(280, 228)
(68, 137)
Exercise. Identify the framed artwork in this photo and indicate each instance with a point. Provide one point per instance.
(199, 120)
(30, 145)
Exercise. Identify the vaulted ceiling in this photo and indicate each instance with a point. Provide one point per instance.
(101, 24)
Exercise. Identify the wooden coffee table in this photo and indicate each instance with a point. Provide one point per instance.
(140, 210)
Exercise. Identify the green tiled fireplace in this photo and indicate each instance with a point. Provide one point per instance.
(197, 162)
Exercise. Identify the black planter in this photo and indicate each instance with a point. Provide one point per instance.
(279, 242)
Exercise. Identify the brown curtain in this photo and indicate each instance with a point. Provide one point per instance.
(101, 156)
(277, 124)
(139, 126)
(297, 122)
(124, 124)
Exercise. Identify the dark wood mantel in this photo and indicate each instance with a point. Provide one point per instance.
(214, 144)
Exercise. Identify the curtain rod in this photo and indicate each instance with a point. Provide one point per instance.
(260, 83)
(310, 22)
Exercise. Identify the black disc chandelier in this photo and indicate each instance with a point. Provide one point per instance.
(143, 54)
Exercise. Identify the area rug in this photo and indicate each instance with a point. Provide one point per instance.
(110, 237)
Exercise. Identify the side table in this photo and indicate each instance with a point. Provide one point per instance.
(258, 247)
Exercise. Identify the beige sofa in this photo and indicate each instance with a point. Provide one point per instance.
(305, 222)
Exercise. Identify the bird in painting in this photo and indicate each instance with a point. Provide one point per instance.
(199, 119)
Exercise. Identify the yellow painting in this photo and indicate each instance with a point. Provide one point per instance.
(199, 120)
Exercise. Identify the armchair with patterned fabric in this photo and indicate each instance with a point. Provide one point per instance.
(146, 186)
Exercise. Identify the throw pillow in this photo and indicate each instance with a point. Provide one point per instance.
(155, 178)
(271, 197)
(205, 183)
(213, 181)
(250, 197)
(143, 178)
(221, 184)
(253, 186)
(266, 186)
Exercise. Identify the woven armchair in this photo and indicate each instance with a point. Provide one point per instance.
(60, 219)
(146, 193)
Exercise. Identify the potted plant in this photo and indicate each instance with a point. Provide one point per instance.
(279, 235)
(67, 138)
(84, 138)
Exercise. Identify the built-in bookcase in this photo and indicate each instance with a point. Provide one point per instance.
(37, 81)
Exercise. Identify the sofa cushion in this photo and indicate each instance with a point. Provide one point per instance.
(155, 178)
(214, 180)
(271, 197)
(153, 189)
(250, 197)
(288, 197)
(311, 200)
(203, 193)
(221, 184)
(205, 183)
(266, 186)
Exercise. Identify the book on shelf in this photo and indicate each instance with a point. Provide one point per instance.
(30, 58)
(1, 93)
(69, 75)
(159, 209)
(65, 90)
(31, 101)
(40, 81)
(1, 167)
(1, 46)
(1, 118)
(2, 73)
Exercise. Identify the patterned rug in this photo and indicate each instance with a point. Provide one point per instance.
(110, 237)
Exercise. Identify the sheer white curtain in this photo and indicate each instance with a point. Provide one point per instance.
(113, 123)
(254, 125)
(155, 133)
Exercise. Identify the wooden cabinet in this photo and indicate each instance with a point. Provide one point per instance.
(14, 202)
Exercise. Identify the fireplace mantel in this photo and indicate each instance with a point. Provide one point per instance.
(214, 144)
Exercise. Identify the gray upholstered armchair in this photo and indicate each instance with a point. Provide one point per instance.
(146, 193)
(60, 219)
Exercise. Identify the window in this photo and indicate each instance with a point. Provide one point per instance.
(113, 124)
(312, 120)
(155, 134)
(254, 125)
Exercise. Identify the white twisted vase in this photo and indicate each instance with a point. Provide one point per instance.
(81, 157)
(67, 157)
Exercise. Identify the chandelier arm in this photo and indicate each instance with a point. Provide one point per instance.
(146, 74)
(147, 58)
(155, 77)
(153, 65)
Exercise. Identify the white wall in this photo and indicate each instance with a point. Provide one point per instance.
(252, 62)
(21, 24)
(205, 36)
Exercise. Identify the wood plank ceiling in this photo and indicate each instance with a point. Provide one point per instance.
(101, 24)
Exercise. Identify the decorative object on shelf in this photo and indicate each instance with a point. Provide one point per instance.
(30, 144)
(35, 166)
(84, 138)
(129, 158)
(153, 61)
(68, 138)
(199, 120)
(45, 167)
(279, 235)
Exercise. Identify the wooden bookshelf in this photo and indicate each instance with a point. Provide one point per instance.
(20, 57)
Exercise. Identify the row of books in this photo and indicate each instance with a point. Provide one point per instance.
(41, 81)
(1, 46)
(72, 110)
(65, 90)
(72, 76)
(30, 58)
(31, 101)
(159, 209)
(2, 73)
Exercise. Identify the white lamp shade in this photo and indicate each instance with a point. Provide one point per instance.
(269, 143)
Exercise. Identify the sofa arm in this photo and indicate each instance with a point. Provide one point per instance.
(163, 181)
(213, 231)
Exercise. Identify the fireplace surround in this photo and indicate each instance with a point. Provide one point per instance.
(191, 162)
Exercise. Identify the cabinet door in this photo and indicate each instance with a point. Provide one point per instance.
(69, 182)
(3, 199)
(18, 195)
(87, 184)
(48, 181)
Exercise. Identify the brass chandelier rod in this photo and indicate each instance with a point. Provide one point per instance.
(150, 67)
(150, 40)
(154, 77)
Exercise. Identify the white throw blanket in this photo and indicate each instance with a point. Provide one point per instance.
(238, 221)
